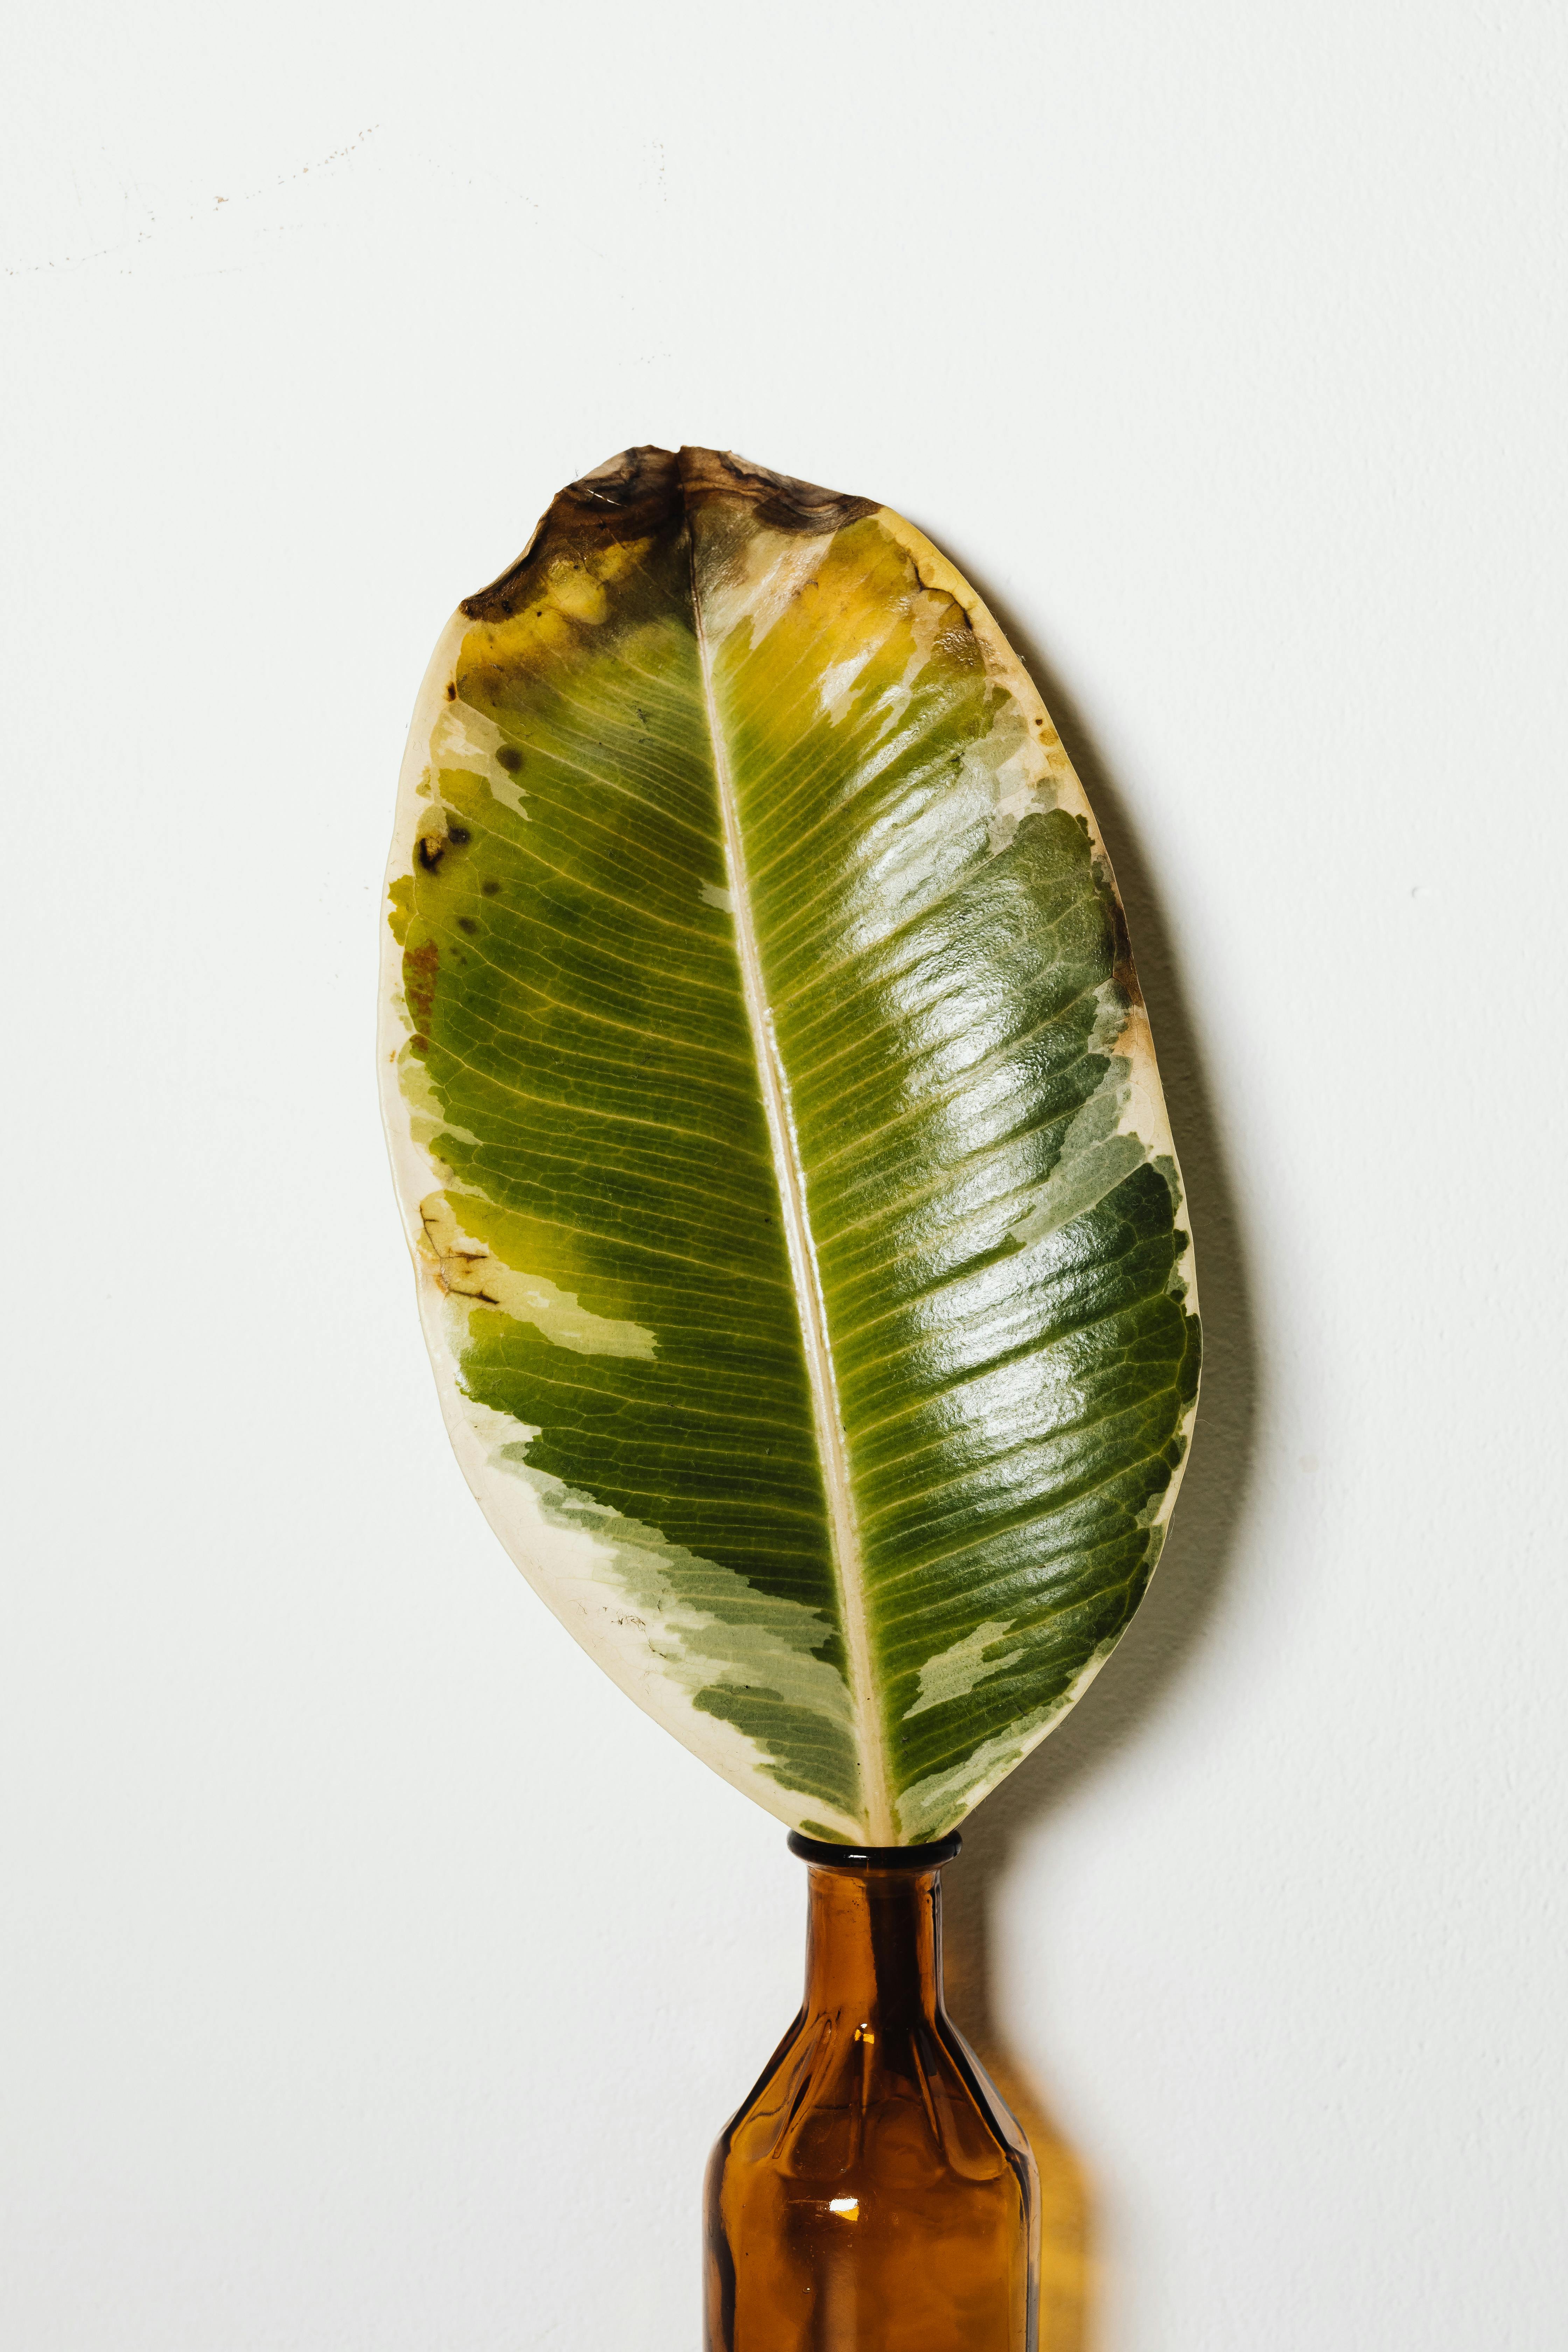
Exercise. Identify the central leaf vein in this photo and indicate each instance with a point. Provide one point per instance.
(832, 1449)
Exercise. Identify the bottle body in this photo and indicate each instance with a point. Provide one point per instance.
(873, 2194)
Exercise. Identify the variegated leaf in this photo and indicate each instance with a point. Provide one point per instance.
(773, 1105)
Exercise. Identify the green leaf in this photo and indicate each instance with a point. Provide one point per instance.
(773, 1110)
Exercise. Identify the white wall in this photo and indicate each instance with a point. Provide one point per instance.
(375, 1975)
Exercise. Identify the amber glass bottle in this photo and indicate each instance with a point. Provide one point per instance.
(873, 2194)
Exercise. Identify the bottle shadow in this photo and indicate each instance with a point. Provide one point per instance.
(1194, 1568)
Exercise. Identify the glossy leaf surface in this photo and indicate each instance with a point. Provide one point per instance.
(774, 1110)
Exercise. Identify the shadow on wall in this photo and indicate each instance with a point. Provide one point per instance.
(1192, 1572)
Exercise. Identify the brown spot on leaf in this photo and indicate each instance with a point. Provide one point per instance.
(1123, 971)
(634, 496)
(509, 758)
(648, 493)
(778, 500)
(420, 966)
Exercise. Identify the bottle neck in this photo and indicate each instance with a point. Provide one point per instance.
(873, 1943)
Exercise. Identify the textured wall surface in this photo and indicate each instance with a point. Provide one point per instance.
(374, 1974)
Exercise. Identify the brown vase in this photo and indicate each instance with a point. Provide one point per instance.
(873, 2194)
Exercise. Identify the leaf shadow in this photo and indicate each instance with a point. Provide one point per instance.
(1194, 1567)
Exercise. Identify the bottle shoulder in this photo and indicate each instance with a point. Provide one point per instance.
(844, 2095)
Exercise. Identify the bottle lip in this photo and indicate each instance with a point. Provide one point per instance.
(823, 1856)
